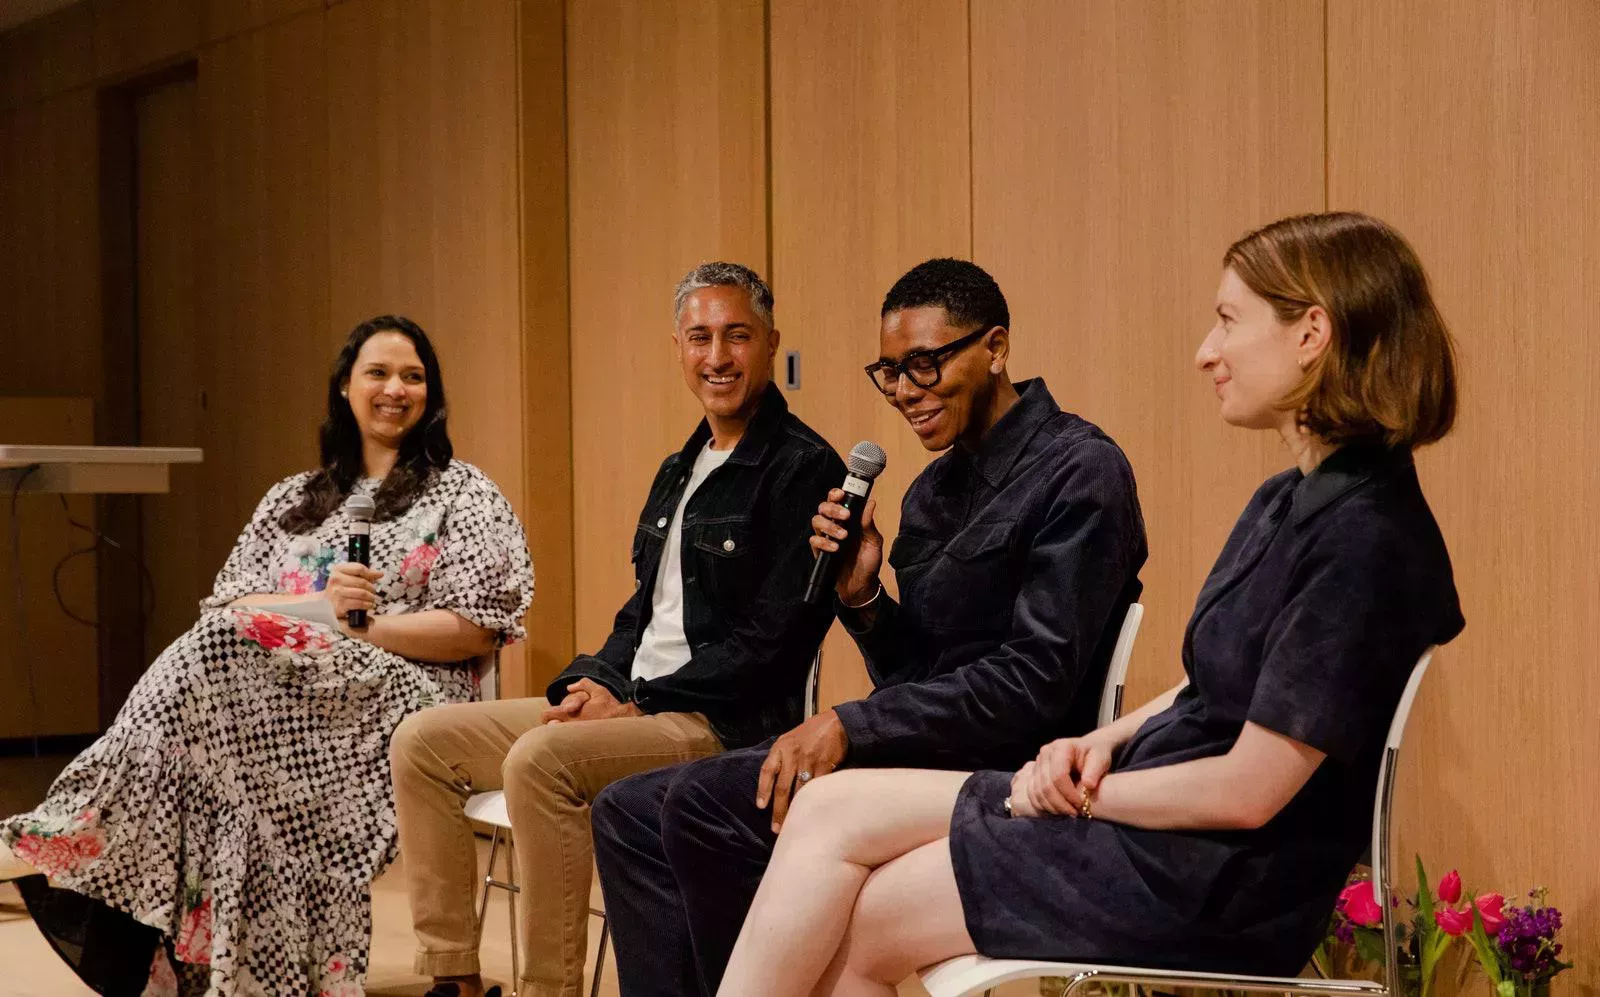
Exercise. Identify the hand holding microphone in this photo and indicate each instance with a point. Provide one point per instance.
(847, 543)
(352, 586)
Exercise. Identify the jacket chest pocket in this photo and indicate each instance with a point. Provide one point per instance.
(723, 561)
(971, 582)
(648, 541)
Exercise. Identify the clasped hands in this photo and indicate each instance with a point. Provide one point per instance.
(587, 699)
(1060, 781)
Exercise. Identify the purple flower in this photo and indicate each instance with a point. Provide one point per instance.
(1528, 938)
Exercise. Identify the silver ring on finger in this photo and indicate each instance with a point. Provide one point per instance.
(804, 777)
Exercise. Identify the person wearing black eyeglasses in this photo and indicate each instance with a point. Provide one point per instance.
(1019, 552)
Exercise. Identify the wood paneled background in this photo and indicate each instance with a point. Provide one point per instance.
(528, 178)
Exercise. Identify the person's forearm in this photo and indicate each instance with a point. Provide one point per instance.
(1200, 795)
(1118, 731)
(267, 598)
(432, 635)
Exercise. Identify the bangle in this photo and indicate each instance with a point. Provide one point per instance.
(864, 605)
(1007, 805)
(1086, 809)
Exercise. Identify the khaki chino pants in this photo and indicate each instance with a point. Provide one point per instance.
(550, 774)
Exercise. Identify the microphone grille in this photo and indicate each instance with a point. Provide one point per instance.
(360, 508)
(867, 460)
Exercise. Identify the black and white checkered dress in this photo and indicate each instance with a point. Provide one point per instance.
(241, 802)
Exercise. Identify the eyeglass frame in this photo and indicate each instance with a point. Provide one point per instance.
(938, 354)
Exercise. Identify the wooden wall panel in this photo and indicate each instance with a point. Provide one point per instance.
(170, 413)
(133, 35)
(1117, 150)
(224, 18)
(423, 207)
(58, 654)
(262, 246)
(869, 177)
(50, 248)
(667, 167)
(1477, 135)
(47, 56)
(546, 339)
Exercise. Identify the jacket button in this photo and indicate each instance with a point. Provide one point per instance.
(728, 544)
(661, 523)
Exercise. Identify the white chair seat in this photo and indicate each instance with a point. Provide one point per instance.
(971, 974)
(490, 808)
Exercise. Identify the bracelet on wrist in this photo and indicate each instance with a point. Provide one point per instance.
(863, 605)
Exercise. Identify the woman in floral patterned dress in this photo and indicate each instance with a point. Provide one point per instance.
(223, 835)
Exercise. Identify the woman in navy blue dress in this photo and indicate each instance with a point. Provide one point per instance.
(1213, 828)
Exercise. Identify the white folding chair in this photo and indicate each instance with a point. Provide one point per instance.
(1117, 674)
(490, 808)
(970, 974)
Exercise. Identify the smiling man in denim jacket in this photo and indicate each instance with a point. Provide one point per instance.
(711, 651)
(1018, 555)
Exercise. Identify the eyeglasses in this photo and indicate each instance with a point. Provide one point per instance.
(922, 366)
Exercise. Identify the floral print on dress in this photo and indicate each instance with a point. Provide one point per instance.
(241, 801)
(306, 567)
(192, 944)
(275, 632)
(59, 847)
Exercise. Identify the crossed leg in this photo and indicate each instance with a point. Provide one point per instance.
(861, 890)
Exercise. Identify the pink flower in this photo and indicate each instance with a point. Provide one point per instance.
(1490, 906)
(1450, 887)
(294, 582)
(338, 965)
(51, 854)
(193, 943)
(1359, 905)
(418, 564)
(1453, 922)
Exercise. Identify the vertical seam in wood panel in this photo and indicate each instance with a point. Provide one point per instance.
(766, 120)
(521, 125)
(1327, 140)
(972, 153)
(572, 420)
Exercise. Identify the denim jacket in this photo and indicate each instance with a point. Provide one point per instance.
(745, 559)
(1016, 564)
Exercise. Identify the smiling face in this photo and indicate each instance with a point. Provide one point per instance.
(955, 407)
(1254, 359)
(726, 351)
(388, 388)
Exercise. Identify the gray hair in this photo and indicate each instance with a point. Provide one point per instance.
(726, 275)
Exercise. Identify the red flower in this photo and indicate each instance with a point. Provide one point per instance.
(51, 854)
(1450, 887)
(1359, 905)
(265, 629)
(1453, 922)
(193, 944)
(1490, 906)
(418, 564)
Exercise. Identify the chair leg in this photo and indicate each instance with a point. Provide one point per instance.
(600, 953)
(488, 880)
(511, 909)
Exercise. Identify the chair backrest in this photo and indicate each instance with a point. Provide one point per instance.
(1117, 674)
(814, 685)
(1383, 813)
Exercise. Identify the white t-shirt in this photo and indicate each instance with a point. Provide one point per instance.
(664, 649)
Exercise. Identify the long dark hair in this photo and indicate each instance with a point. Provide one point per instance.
(425, 449)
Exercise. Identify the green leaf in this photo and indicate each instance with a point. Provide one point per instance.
(1505, 988)
(1369, 946)
(1487, 955)
(1424, 895)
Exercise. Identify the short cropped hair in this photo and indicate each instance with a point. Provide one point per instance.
(1389, 373)
(962, 288)
(726, 275)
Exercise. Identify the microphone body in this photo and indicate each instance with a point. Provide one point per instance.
(360, 509)
(867, 460)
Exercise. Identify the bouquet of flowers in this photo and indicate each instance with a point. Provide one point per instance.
(1517, 948)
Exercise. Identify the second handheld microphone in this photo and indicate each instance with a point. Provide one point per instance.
(866, 461)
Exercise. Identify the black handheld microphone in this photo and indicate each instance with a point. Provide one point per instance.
(360, 509)
(866, 461)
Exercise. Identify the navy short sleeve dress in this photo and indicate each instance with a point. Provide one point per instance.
(1328, 590)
